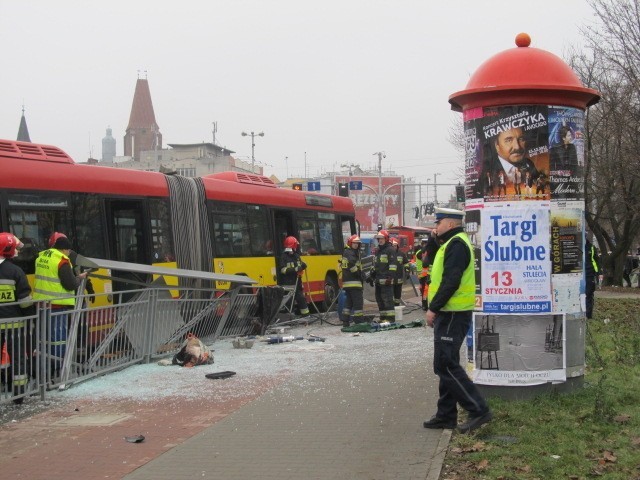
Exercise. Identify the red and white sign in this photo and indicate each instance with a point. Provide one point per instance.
(366, 200)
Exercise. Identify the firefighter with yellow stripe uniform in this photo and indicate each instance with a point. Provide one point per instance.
(55, 281)
(402, 262)
(384, 270)
(15, 302)
(291, 269)
(451, 303)
(353, 309)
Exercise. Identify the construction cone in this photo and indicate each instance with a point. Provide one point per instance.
(5, 359)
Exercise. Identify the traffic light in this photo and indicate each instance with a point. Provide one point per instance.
(459, 193)
(343, 189)
(297, 186)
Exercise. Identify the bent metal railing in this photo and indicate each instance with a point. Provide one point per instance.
(55, 348)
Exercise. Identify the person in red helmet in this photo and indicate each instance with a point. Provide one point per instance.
(353, 309)
(291, 268)
(73, 256)
(57, 282)
(385, 267)
(15, 302)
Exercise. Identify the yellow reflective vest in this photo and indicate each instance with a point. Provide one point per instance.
(47, 285)
(464, 298)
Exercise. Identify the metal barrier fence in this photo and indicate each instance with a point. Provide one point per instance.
(19, 373)
(55, 348)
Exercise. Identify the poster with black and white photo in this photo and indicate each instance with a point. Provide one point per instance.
(519, 350)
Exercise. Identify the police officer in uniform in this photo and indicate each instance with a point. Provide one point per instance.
(14, 287)
(384, 273)
(291, 270)
(353, 310)
(451, 303)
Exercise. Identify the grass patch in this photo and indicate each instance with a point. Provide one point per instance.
(593, 432)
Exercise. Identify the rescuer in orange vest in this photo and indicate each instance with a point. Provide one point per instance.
(428, 248)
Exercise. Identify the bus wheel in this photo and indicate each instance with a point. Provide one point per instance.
(331, 291)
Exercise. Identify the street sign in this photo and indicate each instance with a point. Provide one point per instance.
(313, 186)
(355, 185)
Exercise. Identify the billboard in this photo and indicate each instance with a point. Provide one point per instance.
(366, 200)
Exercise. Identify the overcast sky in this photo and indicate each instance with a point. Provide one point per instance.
(337, 79)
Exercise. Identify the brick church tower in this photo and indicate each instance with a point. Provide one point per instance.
(143, 132)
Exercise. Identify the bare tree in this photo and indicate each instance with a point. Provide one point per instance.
(611, 65)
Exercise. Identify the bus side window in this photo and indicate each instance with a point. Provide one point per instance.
(309, 247)
(32, 220)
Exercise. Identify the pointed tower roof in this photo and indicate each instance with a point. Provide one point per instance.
(23, 131)
(142, 114)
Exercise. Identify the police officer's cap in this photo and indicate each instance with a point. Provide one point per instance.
(442, 213)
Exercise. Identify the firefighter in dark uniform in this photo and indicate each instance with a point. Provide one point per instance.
(14, 287)
(353, 309)
(291, 270)
(451, 302)
(402, 261)
(384, 273)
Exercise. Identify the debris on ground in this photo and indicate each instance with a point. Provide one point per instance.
(218, 375)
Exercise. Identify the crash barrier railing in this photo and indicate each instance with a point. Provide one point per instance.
(62, 347)
(19, 373)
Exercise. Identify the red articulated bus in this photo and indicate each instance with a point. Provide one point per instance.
(230, 222)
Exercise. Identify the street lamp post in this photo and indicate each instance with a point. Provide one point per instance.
(381, 213)
(253, 146)
(435, 188)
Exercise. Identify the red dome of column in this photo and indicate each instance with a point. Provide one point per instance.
(524, 76)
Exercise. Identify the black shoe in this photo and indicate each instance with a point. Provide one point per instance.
(345, 324)
(475, 422)
(437, 422)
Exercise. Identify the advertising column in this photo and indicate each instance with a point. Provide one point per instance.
(525, 189)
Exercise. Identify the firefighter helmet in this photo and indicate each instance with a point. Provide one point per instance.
(54, 238)
(291, 242)
(383, 234)
(8, 245)
(353, 239)
(394, 241)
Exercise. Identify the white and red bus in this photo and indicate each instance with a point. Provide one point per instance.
(229, 222)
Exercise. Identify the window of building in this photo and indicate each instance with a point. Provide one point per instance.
(186, 171)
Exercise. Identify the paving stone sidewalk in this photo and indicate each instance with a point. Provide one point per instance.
(351, 407)
(362, 423)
